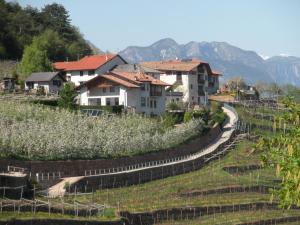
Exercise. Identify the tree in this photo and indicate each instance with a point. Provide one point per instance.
(236, 83)
(34, 60)
(67, 97)
(283, 153)
(261, 86)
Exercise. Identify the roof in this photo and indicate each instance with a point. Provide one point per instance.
(136, 68)
(139, 78)
(119, 81)
(41, 76)
(127, 79)
(174, 65)
(216, 73)
(86, 63)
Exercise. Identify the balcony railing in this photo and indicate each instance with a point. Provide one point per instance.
(155, 93)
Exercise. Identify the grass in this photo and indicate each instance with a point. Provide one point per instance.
(166, 193)
(235, 218)
(108, 215)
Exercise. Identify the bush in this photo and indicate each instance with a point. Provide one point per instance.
(173, 106)
(204, 114)
(187, 116)
(169, 120)
(67, 97)
(219, 117)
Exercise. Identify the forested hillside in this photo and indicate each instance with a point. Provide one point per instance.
(19, 26)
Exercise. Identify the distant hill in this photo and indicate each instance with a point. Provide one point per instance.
(230, 60)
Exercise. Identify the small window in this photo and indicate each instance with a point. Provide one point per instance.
(148, 102)
(151, 104)
(143, 87)
(191, 86)
(177, 99)
(112, 89)
(154, 104)
(192, 97)
(107, 101)
(91, 72)
(143, 101)
(104, 90)
(81, 82)
(179, 76)
(81, 73)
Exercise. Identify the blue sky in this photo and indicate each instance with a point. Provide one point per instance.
(269, 27)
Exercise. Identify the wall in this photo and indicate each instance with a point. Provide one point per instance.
(59, 222)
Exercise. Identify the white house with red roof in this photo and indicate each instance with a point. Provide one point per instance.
(190, 80)
(136, 91)
(89, 67)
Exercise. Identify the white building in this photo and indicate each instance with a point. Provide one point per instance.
(136, 91)
(89, 67)
(50, 82)
(189, 80)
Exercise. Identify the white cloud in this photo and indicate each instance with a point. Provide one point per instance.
(284, 54)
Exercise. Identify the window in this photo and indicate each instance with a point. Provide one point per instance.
(177, 99)
(81, 73)
(104, 90)
(91, 72)
(151, 104)
(94, 101)
(178, 76)
(147, 101)
(154, 104)
(56, 83)
(192, 97)
(116, 101)
(107, 101)
(112, 89)
(143, 87)
(169, 72)
(191, 86)
(81, 82)
(143, 101)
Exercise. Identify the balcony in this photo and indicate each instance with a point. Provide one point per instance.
(155, 93)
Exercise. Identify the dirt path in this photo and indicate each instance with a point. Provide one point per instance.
(58, 190)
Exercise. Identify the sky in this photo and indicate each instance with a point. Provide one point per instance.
(269, 27)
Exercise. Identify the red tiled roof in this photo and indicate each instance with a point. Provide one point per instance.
(175, 65)
(119, 81)
(86, 63)
(140, 77)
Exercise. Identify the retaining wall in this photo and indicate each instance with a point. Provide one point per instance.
(150, 218)
(91, 183)
(59, 222)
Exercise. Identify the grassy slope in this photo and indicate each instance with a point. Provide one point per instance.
(234, 218)
(166, 193)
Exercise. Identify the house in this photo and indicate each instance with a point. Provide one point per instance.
(136, 91)
(7, 83)
(136, 68)
(188, 79)
(49, 82)
(88, 67)
(213, 81)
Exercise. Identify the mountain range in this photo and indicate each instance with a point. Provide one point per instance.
(228, 59)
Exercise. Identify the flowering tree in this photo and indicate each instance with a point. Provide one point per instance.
(283, 153)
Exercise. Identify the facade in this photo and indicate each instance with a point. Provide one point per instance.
(50, 82)
(213, 82)
(89, 67)
(189, 80)
(137, 92)
(7, 84)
